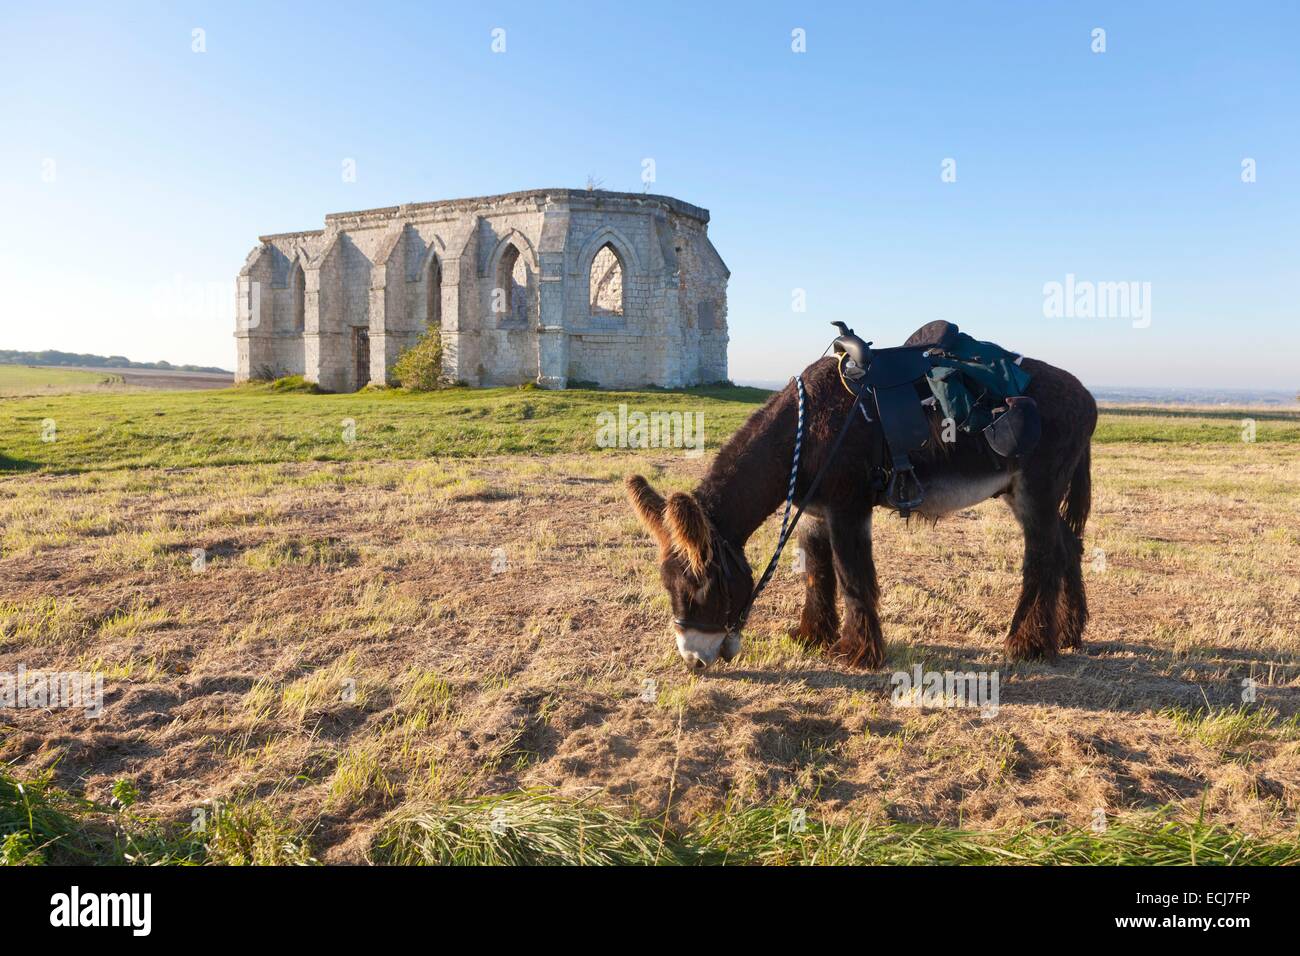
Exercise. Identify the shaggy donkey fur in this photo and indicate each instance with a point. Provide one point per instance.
(702, 535)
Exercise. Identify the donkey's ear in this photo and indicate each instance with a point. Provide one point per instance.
(649, 507)
(689, 531)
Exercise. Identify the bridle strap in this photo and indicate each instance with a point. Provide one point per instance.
(788, 526)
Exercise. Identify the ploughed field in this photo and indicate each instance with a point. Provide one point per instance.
(437, 633)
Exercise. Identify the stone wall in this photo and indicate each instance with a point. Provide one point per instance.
(511, 277)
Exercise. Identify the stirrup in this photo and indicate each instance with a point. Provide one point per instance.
(898, 486)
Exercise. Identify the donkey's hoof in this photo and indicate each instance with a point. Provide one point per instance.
(1018, 648)
(811, 636)
(1072, 638)
(868, 656)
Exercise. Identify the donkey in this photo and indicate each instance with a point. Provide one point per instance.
(702, 535)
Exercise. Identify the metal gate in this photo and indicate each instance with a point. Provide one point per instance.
(361, 349)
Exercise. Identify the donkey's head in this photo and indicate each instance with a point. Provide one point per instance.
(708, 579)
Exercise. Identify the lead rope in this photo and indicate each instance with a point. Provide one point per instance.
(786, 527)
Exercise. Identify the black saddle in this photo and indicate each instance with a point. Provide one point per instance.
(933, 335)
(896, 378)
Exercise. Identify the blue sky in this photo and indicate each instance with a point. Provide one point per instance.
(136, 174)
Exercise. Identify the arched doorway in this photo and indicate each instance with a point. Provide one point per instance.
(361, 354)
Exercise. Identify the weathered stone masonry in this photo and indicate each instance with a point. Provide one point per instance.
(550, 285)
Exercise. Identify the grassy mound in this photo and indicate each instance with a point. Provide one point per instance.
(295, 383)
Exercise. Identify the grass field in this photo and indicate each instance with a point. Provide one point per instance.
(260, 425)
(20, 380)
(444, 639)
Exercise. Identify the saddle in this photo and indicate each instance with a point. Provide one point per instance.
(898, 380)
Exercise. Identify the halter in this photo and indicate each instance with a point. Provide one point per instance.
(731, 558)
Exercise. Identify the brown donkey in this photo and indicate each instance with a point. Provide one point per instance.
(702, 535)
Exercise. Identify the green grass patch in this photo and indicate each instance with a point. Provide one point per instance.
(539, 829)
(1194, 428)
(522, 829)
(278, 422)
(45, 621)
(1278, 414)
(1230, 728)
(43, 824)
(38, 821)
(771, 835)
(294, 383)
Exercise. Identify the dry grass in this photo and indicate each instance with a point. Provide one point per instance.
(372, 637)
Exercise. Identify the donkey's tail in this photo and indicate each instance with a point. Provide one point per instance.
(1078, 500)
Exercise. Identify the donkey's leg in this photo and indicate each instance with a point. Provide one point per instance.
(1033, 632)
(819, 621)
(860, 643)
(1073, 607)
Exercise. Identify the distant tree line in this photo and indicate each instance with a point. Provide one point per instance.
(55, 357)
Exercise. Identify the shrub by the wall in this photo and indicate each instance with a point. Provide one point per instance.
(419, 368)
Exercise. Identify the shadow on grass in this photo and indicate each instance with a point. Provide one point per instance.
(16, 465)
(1104, 676)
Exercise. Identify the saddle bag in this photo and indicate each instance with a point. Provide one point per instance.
(1016, 431)
(970, 378)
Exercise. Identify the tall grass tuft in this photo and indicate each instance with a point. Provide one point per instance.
(250, 834)
(38, 822)
(520, 829)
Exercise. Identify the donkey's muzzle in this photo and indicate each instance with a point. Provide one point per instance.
(699, 649)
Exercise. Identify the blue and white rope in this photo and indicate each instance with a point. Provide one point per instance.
(794, 467)
(786, 528)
